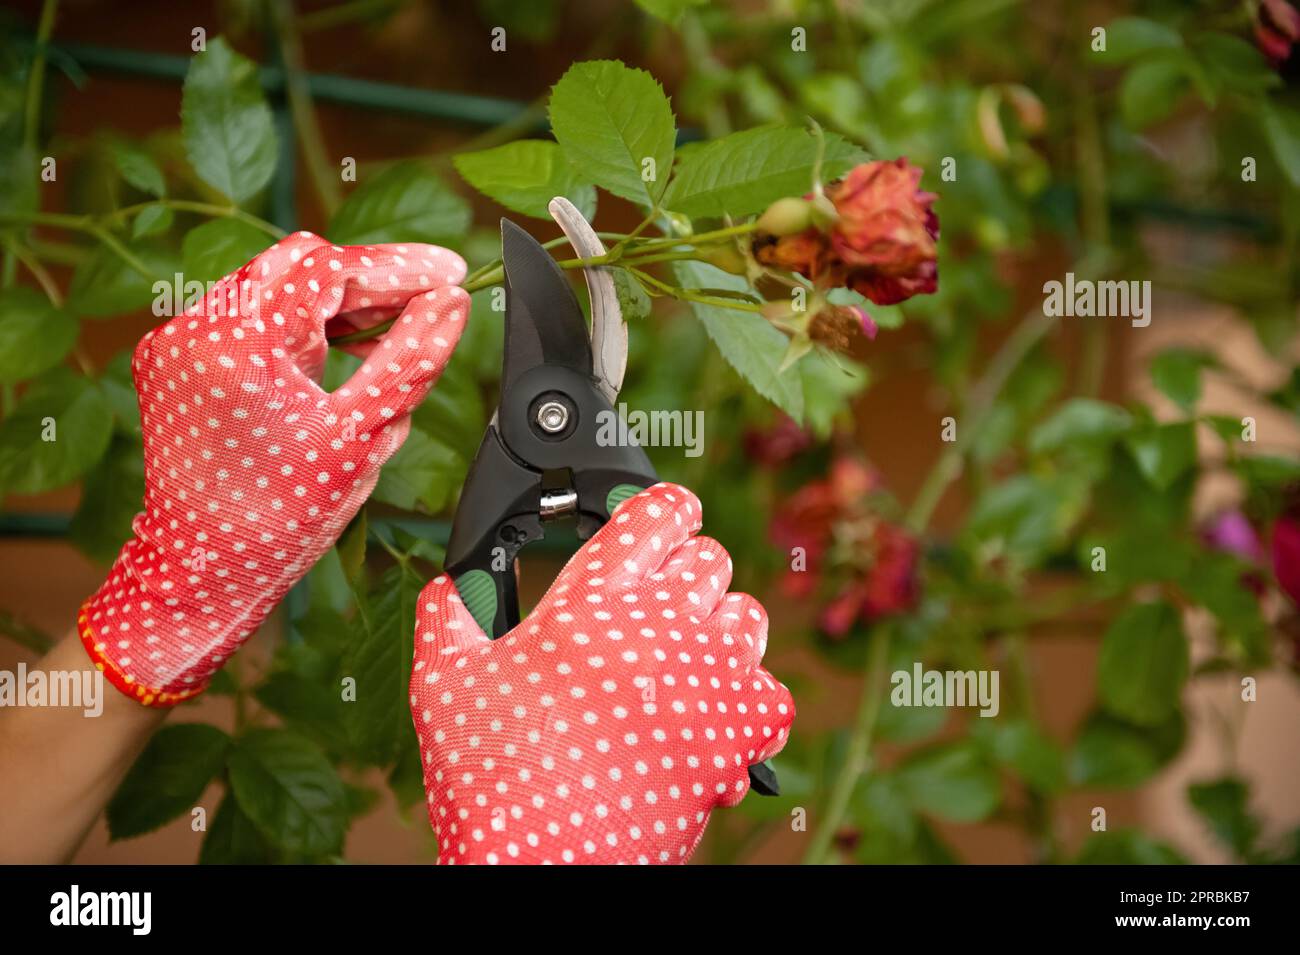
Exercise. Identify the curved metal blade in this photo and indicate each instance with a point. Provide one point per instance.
(544, 322)
(608, 330)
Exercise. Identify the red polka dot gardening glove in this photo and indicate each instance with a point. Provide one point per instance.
(609, 724)
(251, 469)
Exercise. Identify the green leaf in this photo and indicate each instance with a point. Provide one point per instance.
(406, 202)
(233, 839)
(25, 634)
(829, 386)
(1177, 373)
(609, 119)
(352, 547)
(890, 831)
(72, 414)
(632, 298)
(1143, 664)
(20, 171)
(909, 724)
(761, 99)
(1113, 754)
(453, 414)
(525, 176)
(1268, 471)
(1216, 581)
(848, 296)
(424, 471)
(119, 391)
(225, 123)
(215, 249)
(1023, 516)
(1287, 397)
(885, 316)
(1151, 90)
(1163, 452)
(670, 11)
(1224, 805)
(379, 659)
(532, 22)
(104, 285)
(953, 782)
(1236, 64)
(407, 778)
(1126, 847)
(745, 172)
(1080, 424)
(1228, 428)
(311, 704)
(1024, 748)
(167, 779)
(152, 220)
(838, 98)
(138, 168)
(289, 790)
(747, 340)
(113, 494)
(1282, 129)
(34, 335)
(1130, 37)
(411, 544)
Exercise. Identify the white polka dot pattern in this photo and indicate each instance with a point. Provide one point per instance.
(251, 469)
(608, 725)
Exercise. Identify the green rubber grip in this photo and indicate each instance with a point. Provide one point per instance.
(620, 493)
(479, 592)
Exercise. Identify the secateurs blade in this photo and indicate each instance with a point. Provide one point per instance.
(540, 459)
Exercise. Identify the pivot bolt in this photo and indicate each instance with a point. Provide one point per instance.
(552, 417)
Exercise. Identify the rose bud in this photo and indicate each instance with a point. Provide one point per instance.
(786, 217)
(728, 258)
(837, 325)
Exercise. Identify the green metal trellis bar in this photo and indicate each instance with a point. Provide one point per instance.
(326, 87)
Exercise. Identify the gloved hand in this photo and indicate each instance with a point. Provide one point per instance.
(608, 724)
(251, 469)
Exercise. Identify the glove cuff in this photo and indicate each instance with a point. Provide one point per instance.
(98, 649)
(132, 635)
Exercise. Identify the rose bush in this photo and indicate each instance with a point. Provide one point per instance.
(774, 230)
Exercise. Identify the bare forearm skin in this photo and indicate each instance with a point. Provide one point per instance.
(59, 767)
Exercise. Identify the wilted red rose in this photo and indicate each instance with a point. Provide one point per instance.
(808, 517)
(887, 232)
(777, 444)
(1286, 554)
(1277, 28)
(874, 561)
(887, 583)
(883, 243)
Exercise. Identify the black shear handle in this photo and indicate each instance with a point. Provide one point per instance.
(499, 512)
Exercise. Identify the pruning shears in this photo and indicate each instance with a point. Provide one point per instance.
(540, 460)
